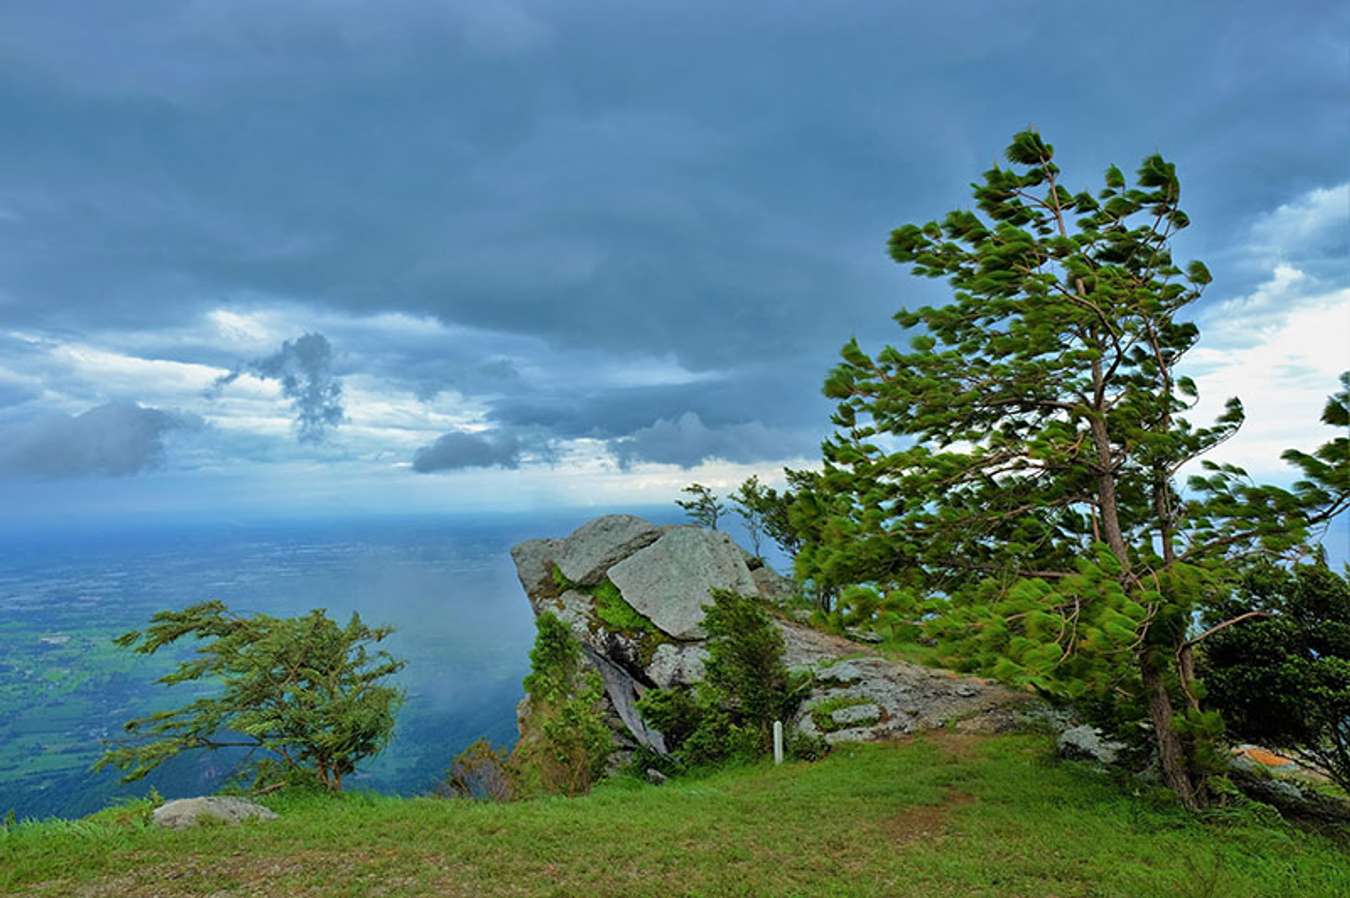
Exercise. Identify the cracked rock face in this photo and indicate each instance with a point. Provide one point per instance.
(665, 573)
(595, 546)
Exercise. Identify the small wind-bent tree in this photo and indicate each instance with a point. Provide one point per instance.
(703, 507)
(307, 694)
(751, 501)
(1018, 462)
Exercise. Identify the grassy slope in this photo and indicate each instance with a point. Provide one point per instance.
(940, 816)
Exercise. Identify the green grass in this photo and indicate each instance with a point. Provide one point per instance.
(939, 817)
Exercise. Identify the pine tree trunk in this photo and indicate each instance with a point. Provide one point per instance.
(1171, 752)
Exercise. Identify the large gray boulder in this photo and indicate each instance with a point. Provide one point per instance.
(188, 812)
(670, 580)
(597, 544)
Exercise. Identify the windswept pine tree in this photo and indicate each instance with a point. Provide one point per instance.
(1016, 468)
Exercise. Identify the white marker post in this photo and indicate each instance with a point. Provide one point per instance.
(778, 742)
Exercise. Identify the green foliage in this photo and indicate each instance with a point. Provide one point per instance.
(746, 687)
(1015, 466)
(893, 616)
(1283, 679)
(745, 662)
(561, 582)
(808, 747)
(615, 612)
(702, 506)
(611, 608)
(707, 732)
(789, 516)
(675, 713)
(307, 693)
(564, 742)
(753, 502)
(555, 660)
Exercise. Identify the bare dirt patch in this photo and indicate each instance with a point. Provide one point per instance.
(924, 821)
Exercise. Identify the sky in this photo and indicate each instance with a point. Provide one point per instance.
(309, 257)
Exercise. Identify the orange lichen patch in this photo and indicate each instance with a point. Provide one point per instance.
(1262, 756)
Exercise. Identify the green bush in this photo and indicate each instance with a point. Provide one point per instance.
(564, 742)
(746, 687)
(480, 772)
(745, 663)
(1282, 677)
(806, 746)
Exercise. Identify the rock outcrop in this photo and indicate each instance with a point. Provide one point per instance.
(214, 809)
(634, 595)
(1087, 743)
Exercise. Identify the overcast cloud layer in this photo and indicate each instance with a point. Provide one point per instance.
(401, 254)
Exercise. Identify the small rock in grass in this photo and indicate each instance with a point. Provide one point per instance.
(1086, 743)
(187, 812)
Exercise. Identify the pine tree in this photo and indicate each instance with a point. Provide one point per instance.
(703, 506)
(308, 695)
(752, 503)
(1032, 491)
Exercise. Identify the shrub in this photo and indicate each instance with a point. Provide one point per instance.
(564, 741)
(745, 662)
(806, 746)
(746, 688)
(1283, 679)
(479, 773)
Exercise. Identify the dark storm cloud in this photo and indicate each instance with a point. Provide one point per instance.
(687, 441)
(304, 369)
(711, 183)
(116, 439)
(789, 395)
(458, 450)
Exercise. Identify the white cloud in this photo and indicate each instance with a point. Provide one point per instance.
(1281, 347)
(1315, 222)
(1280, 350)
